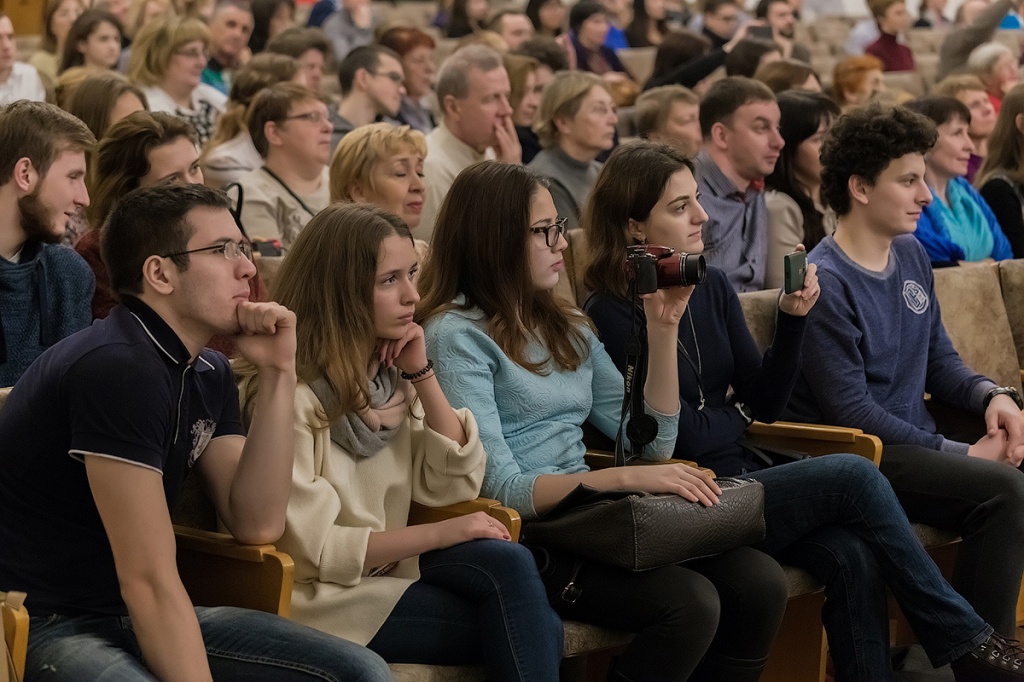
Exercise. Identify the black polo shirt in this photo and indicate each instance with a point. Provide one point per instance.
(123, 388)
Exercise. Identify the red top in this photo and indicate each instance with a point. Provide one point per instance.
(895, 56)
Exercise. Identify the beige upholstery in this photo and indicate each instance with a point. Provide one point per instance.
(639, 61)
(1011, 282)
(907, 81)
(760, 310)
(976, 321)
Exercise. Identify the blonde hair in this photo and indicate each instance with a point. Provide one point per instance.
(155, 44)
(137, 12)
(562, 99)
(951, 86)
(361, 150)
(68, 82)
(519, 68)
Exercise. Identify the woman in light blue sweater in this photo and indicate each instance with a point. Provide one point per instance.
(532, 371)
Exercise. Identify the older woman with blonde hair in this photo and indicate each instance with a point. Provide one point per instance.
(382, 164)
(575, 124)
(168, 58)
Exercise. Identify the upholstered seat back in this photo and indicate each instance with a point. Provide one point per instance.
(976, 320)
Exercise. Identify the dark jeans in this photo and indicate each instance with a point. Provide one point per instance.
(984, 502)
(709, 619)
(837, 518)
(240, 645)
(478, 601)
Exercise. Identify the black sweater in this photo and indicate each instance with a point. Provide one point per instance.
(728, 357)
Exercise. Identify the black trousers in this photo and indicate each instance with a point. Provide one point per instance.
(984, 502)
(708, 619)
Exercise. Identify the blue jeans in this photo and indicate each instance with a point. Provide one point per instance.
(837, 518)
(481, 601)
(240, 645)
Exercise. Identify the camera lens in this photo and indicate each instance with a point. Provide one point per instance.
(681, 270)
(694, 269)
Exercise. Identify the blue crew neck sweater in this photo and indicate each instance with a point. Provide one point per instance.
(875, 344)
(43, 298)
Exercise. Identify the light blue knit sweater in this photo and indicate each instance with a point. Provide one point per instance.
(529, 423)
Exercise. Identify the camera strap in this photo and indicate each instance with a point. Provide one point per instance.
(641, 428)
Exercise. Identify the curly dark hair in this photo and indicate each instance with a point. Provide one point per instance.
(864, 142)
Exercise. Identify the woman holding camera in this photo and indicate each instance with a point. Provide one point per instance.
(834, 516)
(532, 371)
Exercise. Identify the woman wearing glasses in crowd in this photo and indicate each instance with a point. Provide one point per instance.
(373, 434)
(167, 61)
(532, 370)
(291, 130)
(834, 516)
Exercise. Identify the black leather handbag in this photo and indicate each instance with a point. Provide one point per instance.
(639, 531)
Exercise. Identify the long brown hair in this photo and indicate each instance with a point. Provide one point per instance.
(630, 184)
(327, 280)
(122, 157)
(479, 250)
(1006, 143)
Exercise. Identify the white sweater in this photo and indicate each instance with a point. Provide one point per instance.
(338, 499)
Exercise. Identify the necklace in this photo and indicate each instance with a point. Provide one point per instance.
(698, 367)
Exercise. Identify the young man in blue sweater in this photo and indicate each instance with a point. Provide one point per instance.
(875, 344)
(45, 289)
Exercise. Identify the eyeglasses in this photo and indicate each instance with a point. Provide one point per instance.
(551, 232)
(230, 250)
(311, 116)
(395, 77)
(194, 54)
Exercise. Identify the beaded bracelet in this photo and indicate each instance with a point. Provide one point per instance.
(417, 375)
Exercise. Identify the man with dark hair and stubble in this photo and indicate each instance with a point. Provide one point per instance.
(371, 80)
(45, 289)
(876, 344)
(780, 16)
(98, 436)
(739, 119)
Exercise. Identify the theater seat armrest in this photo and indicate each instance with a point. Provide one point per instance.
(419, 513)
(816, 439)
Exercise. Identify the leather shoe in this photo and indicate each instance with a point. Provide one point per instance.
(994, 660)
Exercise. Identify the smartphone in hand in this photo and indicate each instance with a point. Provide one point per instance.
(762, 32)
(796, 270)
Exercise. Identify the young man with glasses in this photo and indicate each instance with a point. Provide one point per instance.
(291, 129)
(371, 80)
(97, 437)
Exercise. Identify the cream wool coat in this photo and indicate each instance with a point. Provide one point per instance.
(337, 499)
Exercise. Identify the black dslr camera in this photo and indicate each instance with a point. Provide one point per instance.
(658, 267)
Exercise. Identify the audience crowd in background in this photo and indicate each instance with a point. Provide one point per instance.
(367, 208)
